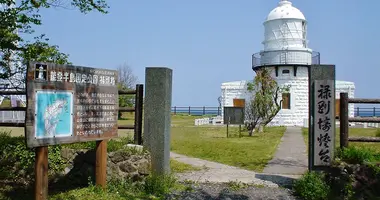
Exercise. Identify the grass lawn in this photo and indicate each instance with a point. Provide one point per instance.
(211, 143)
(352, 132)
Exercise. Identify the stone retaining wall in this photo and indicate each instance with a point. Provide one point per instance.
(122, 164)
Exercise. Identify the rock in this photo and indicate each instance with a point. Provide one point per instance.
(135, 176)
(122, 164)
(143, 166)
(119, 156)
(67, 154)
(127, 167)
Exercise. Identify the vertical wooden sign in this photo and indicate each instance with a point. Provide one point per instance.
(324, 122)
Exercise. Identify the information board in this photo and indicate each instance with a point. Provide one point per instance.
(324, 122)
(233, 115)
(69, 104)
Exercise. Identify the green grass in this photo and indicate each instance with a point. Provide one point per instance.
(179, 167)
(211, 143)
(205, 142)
(369, 132)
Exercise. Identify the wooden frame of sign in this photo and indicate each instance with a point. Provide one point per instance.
(68, 104)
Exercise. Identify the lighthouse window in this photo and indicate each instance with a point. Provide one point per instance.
(285, 71)
(285, 101)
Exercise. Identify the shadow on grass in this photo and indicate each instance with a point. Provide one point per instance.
(78, 177)
(282, 181)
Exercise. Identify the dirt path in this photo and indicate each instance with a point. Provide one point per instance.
(220, 173)
(291, 155)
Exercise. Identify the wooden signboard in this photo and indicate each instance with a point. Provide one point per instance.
(324, 122)
(68, 104)
(233, 115)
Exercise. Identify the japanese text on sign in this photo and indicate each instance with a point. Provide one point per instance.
(97, 77)
(324, 122)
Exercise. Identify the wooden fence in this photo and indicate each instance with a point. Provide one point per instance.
(344, 120)
(137, 109)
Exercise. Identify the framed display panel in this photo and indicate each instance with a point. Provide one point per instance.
(69, 104)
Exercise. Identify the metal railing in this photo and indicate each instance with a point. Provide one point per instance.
(257, 60)
(196, 110)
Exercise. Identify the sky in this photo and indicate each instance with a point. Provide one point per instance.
(207, 43)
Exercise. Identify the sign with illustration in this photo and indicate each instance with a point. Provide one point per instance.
(68, 104)
(324, 122)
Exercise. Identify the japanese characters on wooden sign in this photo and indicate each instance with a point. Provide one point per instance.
(68, 104)
(233, 115)
(324, 122)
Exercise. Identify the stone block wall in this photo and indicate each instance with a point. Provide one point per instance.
(122, 164)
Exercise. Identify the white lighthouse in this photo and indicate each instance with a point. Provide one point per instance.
(287, 55)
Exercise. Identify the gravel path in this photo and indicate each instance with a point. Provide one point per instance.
(220, 191)
(219, 181)
(220, 173)
(291, 155)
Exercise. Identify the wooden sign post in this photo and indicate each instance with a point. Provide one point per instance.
(234, 115)
(69, 104)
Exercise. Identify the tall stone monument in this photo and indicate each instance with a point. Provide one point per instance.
(157, 117)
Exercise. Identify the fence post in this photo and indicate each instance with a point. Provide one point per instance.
(204, 110)
(189, 111)
(175, 110)
(357, 111)
(374, 111)
(138, 113)
(343, 119)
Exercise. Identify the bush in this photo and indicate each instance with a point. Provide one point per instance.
(17, 160)
(312, 186)
(356, 155)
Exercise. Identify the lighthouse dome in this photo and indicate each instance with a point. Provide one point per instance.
(285, 10)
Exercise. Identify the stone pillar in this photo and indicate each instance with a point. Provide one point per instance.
(317, 73)
(157, 117)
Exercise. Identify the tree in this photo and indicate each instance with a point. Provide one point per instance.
(19, 19)
(265, 103)
(126, 81)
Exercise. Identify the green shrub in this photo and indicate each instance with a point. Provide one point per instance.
(356, 155)
(17, 161)
(311, 186)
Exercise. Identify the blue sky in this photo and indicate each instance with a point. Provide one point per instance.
(210, 42)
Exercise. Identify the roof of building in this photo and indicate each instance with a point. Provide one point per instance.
(285, 10)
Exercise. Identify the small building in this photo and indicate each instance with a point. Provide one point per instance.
(287, 55)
